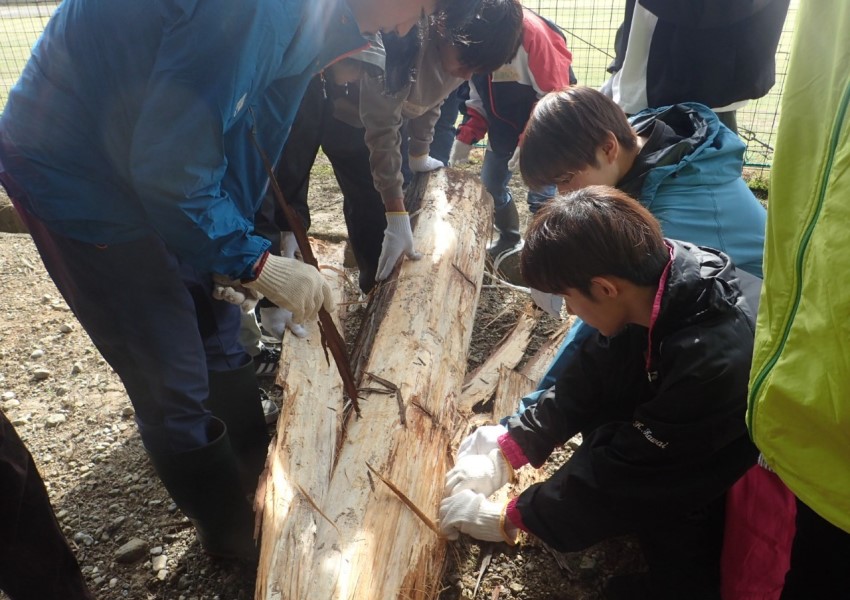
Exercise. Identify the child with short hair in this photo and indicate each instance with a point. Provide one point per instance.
(499, 106)
(658, 393)
(679, 162)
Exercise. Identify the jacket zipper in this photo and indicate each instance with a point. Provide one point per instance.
(760, 377)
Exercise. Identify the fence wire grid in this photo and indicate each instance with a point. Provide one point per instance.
(590, 25)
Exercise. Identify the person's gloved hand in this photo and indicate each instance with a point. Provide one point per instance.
(276, 320)
(459, 154)
(482, 440)
(424, 163)
(292, 285)
(481, 473)
(288, 244)
(235, 293)
(513, 163)
(398, 240)
(551, 303)
(474, 515)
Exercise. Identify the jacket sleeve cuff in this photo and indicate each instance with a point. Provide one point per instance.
(474, 129)
(391, 193)
(256, 268)
(513, 453)
(513, 516)
(418, 147)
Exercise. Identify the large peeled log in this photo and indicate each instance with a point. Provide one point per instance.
(349, 536)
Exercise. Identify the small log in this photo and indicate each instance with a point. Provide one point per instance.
(480, 384)
(512, 386)
(536, 366)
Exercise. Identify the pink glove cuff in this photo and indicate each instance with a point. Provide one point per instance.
(513, 453)
(513, 515)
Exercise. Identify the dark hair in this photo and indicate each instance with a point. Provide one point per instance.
(565, 130)
(489, 37)
(400, 59)
(595, 231)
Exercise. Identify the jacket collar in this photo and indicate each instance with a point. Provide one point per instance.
(342, 37)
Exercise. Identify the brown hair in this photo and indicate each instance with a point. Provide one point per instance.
(564, 132)
(592, 232)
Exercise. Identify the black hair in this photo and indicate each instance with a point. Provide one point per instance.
(487, 37)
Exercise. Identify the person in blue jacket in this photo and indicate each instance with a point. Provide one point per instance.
(134, 147)
(679, 161)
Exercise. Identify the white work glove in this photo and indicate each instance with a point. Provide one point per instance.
(550, 303)
(482, 440)
(513, 163)
(288, 244)
(459, 154)
(398, 240)
(474, 515)
(424, 163)
(235, 293)
(293, 285)
(276, 320)
(481, 473)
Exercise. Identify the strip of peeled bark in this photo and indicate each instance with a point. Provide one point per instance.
(363, 542)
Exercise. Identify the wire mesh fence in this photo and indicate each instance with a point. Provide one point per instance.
(591, 26)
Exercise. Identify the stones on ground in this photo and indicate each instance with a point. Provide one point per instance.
(81, 537)
(55, 419)
(19, 420)
(76, 368)
(36, 354)
(132, 551)
(40, 373)
(158, 563)
(66, 328)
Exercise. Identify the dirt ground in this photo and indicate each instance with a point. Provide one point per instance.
(74, 415)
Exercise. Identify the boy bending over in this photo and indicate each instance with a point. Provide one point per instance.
(658, 393)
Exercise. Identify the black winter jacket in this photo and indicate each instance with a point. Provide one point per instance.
(661, 415)
(716, 53)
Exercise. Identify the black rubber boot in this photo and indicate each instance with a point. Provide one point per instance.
(235, 399)
(205, 485)
(506, 220)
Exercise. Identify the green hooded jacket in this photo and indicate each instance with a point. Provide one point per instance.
(799, 403)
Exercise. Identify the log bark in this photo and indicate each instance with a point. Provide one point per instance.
(355, 538)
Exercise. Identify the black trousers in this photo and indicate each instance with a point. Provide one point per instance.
(820, 557)
(36, 562)
(315, 127)
(683, 555)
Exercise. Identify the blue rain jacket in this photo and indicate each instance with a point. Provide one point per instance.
(137, 117)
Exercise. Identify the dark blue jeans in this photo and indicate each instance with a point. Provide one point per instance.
(156, 324)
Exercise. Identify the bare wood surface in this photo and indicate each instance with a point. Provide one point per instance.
(304, 450)
(367, 543)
